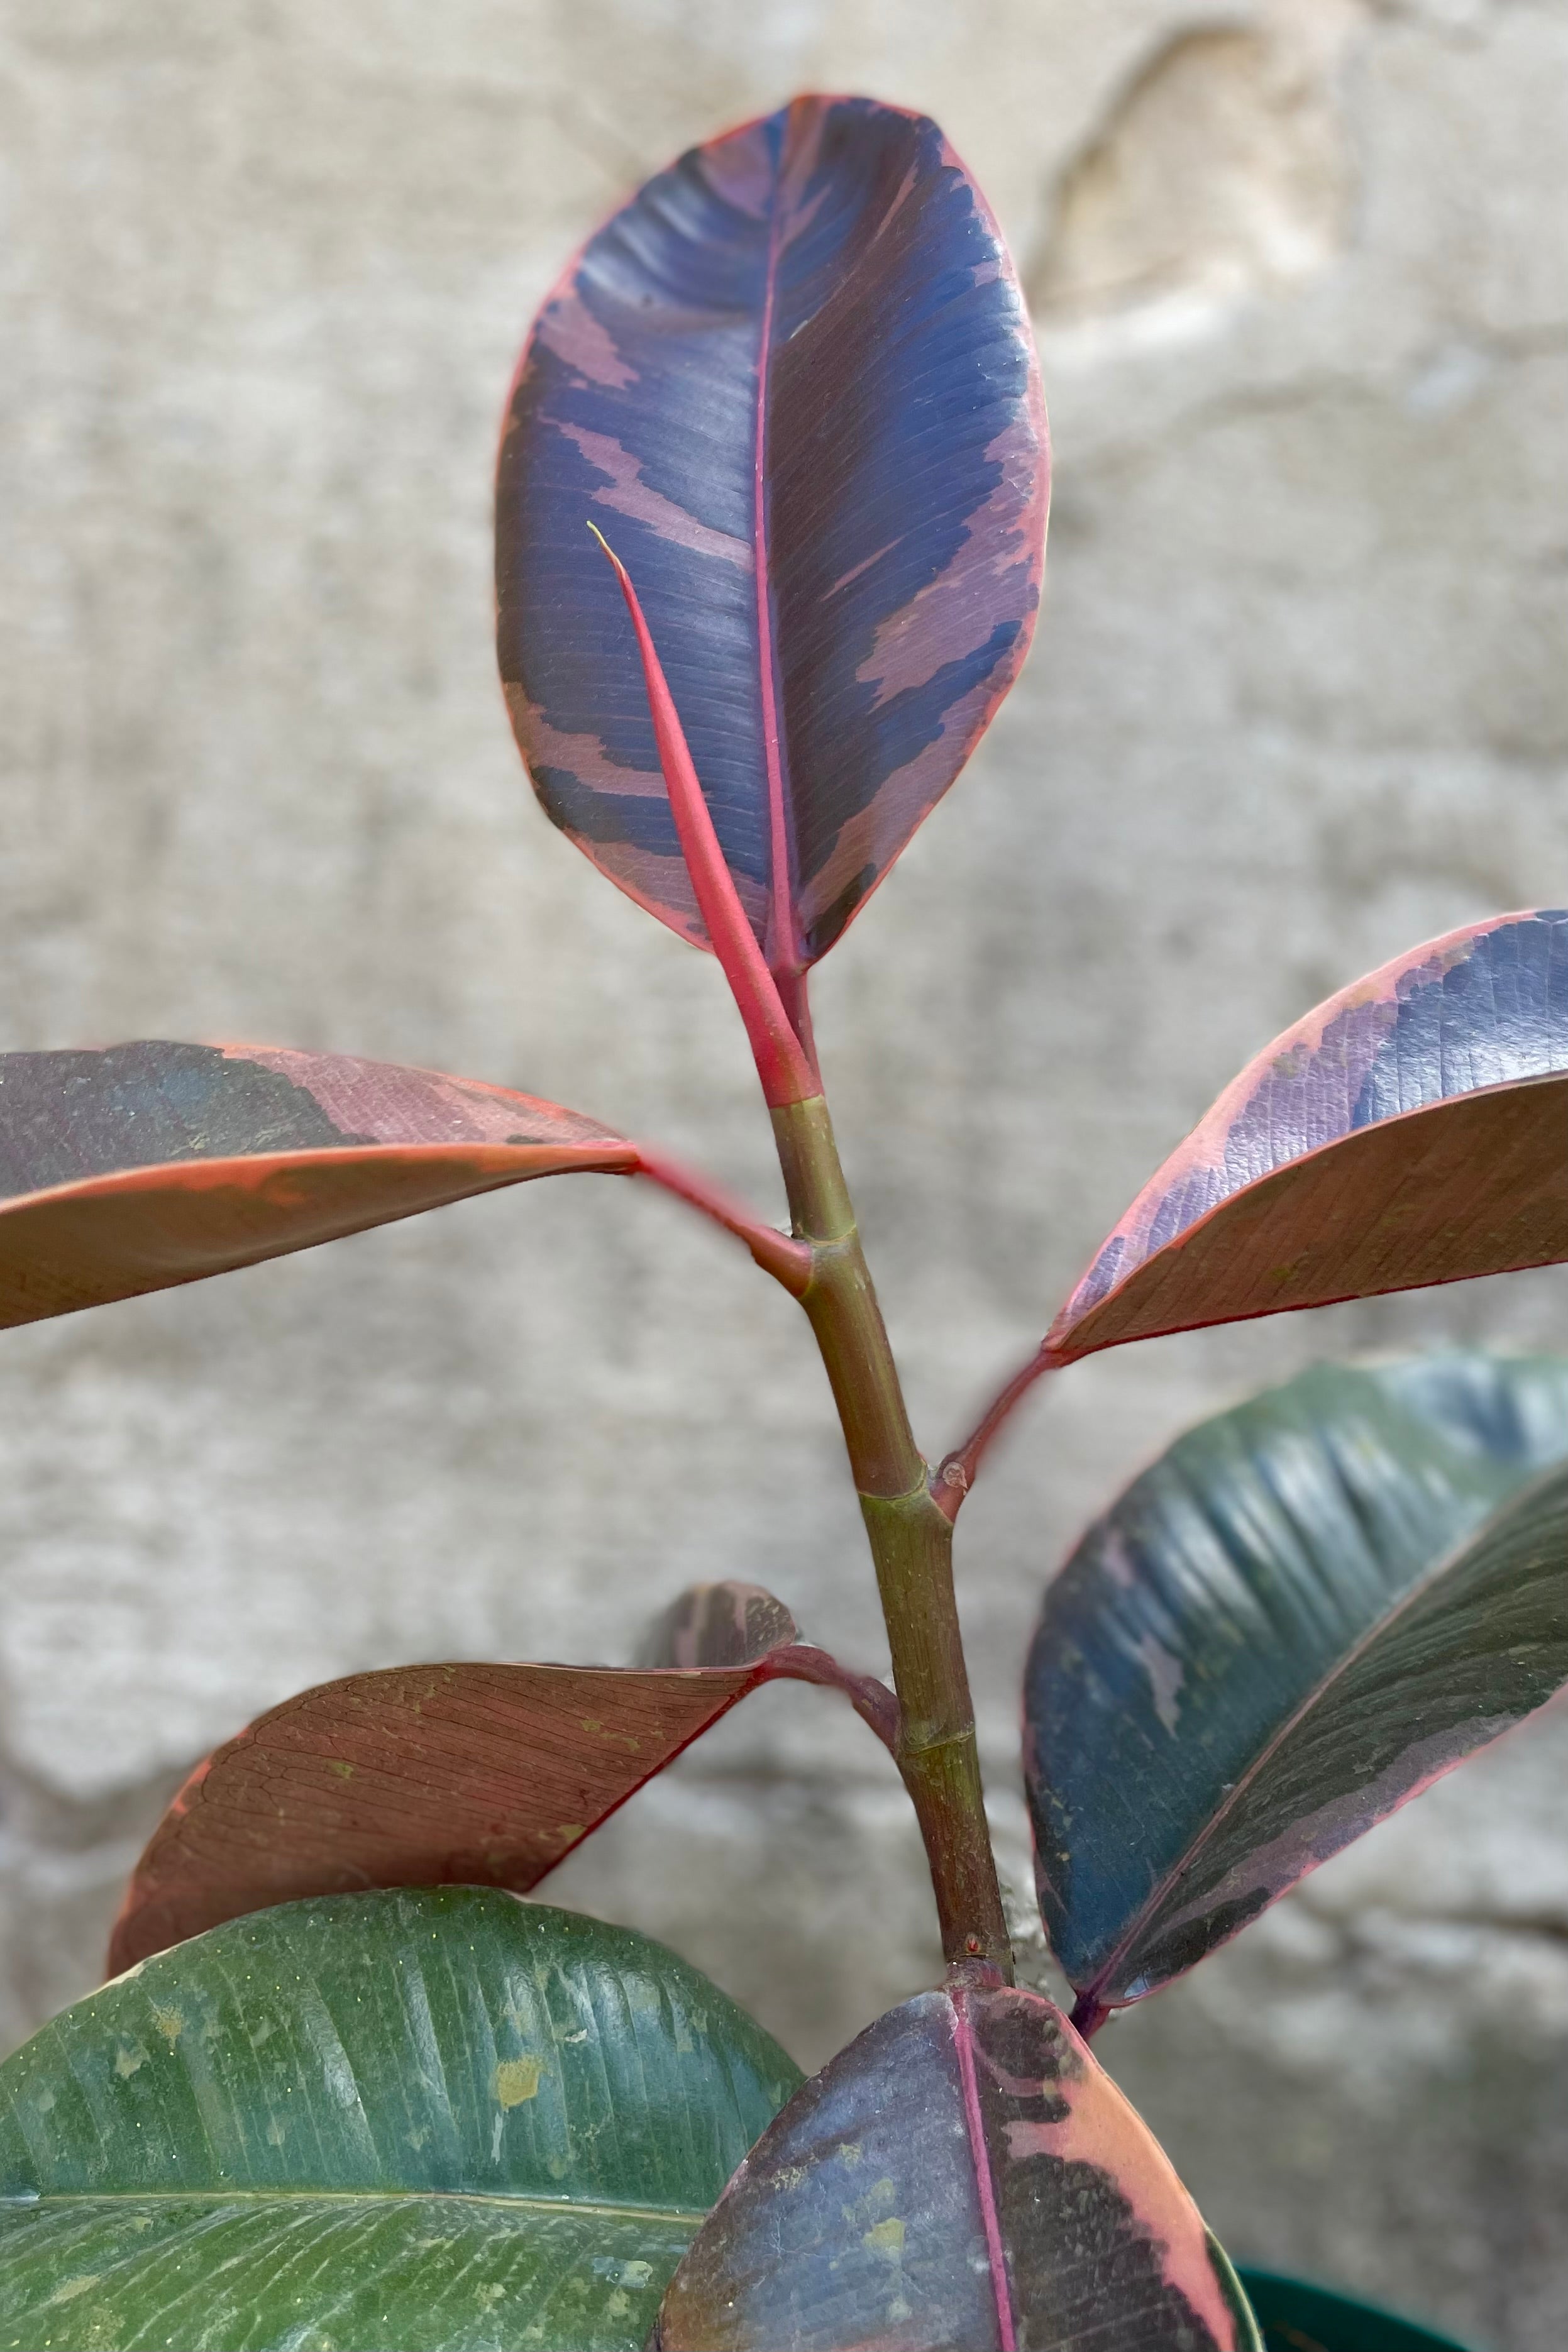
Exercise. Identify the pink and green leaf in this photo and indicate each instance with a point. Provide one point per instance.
(133, 1167)
(1412, 1129)
(794, 379)
(1305, 1612)
(479, 1775)
(963, 2174)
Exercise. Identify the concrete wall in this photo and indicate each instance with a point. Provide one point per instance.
(1298, 701)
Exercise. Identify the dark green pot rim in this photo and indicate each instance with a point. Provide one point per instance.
(1297, 2317)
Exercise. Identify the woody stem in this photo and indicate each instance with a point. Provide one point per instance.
(911, 1545)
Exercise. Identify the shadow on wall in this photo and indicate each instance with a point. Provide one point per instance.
(1222, 167)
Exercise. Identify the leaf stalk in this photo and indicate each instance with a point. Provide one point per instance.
(786, 1260)
(957, 1471)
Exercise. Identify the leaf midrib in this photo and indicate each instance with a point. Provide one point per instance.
(590, 2207)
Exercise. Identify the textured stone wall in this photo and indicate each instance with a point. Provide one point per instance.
(1299, 700)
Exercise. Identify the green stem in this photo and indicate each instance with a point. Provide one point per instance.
(911, 1545)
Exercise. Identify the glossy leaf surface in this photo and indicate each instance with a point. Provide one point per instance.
(961, 2178)
(1308, 1610)
(421, 1776)
(1412, 1129)
(445, 2121)
(136, 1166)
(1295, 2317)
(795, 384)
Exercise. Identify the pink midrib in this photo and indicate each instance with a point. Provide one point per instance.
(781, 940)
(980, 2158)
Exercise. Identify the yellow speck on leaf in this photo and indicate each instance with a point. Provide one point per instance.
(170, 2023)
(886, 2238)
(613, 1739)
(336, 1764)
(618, 2305)
(127, 2059)
(517, 2079)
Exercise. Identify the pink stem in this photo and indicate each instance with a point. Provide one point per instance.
(787, 1261)
(956, 1473)
(783, 1066)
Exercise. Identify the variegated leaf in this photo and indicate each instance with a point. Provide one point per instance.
(133, 1167)
(794, 381)
(961, 2178)
(1412, 1129)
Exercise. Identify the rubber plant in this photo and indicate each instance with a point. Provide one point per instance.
(771, 519)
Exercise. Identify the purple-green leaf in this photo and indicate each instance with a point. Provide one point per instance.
(1307, 1610)
(132, 1168)
(794, 381)
(964, 2175)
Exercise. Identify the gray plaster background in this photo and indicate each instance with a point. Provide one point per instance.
(1299, 700)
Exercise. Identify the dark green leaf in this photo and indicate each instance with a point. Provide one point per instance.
(1306, 1612)
(1299, 2319)
(445, 2119)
